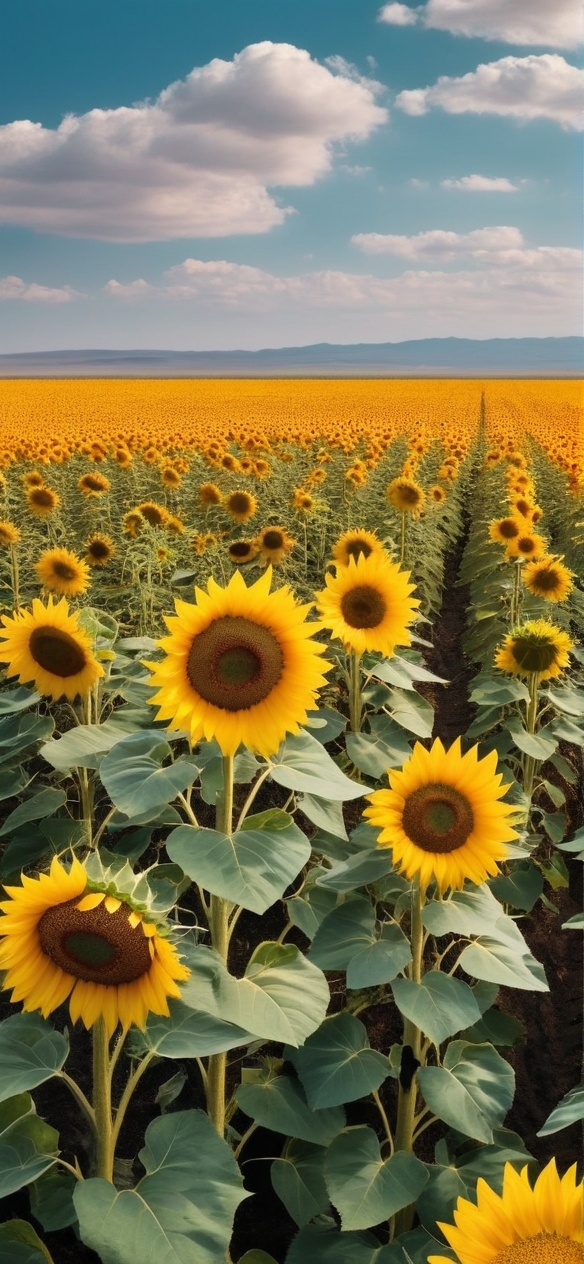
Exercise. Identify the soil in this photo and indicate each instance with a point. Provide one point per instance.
(547, 1064)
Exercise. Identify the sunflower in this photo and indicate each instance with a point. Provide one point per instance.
(9, 535)
(536, 648)
(62, 940)
(241, 666)
(47, 645)
(406, 495)
(437, 493)
(241, 551)
(33, 479)
(93, 484)
(174, 525)
(356, 543)
(441, 816)
(61, 572)
(523, 1225)
(123, 458)
(209, 494)
(302, 500)
(546, 578)
(170, 477)
(502, 530)
(100, 549)
(274, 544)
(241, 505)
(155, 515)
(528, 544)
(133, 522)
(198, 545)
(261, 468)
(41, 501)
(367, 605)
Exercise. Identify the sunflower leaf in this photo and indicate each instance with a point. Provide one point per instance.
(568, 1111)
(136, 779)
(302, 763)
(182, 1210)
(41, 805)
(364, 1188)
(298, 1180)
(440, 1005)
(336, 1064)
(278, 1102)
(31, 1051)
(472, 1091)
(251, 867)
(19, 1244)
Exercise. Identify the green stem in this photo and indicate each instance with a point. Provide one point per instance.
(102, 1101)
(79, 1096)
(126, 1096)
(15, 577)
(529, 763)
(355, 698)
(406, 1106)
(515, 595)
(402, 548)
(219, 910)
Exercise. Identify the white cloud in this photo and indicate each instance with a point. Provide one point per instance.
(481, 184)
(531, 87)
(13, 287)
(197, 161)
(398, 15)
(500, 245)
(537, 291)
(555, 25)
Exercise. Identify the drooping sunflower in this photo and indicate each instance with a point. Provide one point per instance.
(274, 544)
(502, 530)
(100, 549)
(241, 505)
(241, 666)
(60, 571)
(547, 578)
(302, 500)
(62, 939)
(536, 648)
(9, 535)
(133, 522)
(93, 484)
(528, 544)
(356, 543)
(170, 477)
(442, 817)
(42, 501)
(241, 551)
(437, 493)
(174, 525)
(406, 495)
(368, 605)
(33, 479)
(210, 494)
(47, 645)
(155, 515)
(523, 1225)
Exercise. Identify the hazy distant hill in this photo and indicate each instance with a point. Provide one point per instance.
(424, 357)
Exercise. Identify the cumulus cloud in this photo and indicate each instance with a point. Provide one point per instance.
(538, 291)
(197, 161)
(13, 287)
(545, 86)
(481, 184)
(557, 25)
(500, 245)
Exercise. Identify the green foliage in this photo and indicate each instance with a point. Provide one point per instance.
(252, 867)
(364, 1187)
(336, 1064)
(19, 1244)
(472, 1091)
(31, 1051)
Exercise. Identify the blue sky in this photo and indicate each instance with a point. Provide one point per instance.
(175, 174)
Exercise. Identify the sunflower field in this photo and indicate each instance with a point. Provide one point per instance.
(292, 822)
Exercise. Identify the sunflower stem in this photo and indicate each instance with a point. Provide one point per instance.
(102, 1101)
(219, 910)
(355, 696)
(529, 763)
(402, 547)
(406, 1106)
(15, 577)
(131, 1085)
(515, 594)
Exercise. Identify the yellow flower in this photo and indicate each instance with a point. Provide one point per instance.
(548, 578)
(442, 818)
(9, 535)
(543, 1225)
(42, 501)
(62, 940)
(241, 505)
(133, 522)
(60, 571)
(155, 515)
(241, 666)
(502, 530)
(46, 645)
(100, 549)
(302, 500)
(93, 484)
(406, 495)
(241, 551)
(537, 648)
(367, 605)
(274, 544)
(209, 494)
(356, 543)
(527, 544)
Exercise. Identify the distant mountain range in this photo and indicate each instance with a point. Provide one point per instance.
(424, 357)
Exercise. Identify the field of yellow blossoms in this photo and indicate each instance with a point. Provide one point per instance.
(291, 821)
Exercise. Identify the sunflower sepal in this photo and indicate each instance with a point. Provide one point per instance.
(151, 893)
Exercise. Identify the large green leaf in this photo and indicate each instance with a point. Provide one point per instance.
(468, 912)
(385, 746)
(187, 1033)
(337, 1064)
(540, 745)
(251, 867)
(31, 1051)
(326, 814)
(19, 1244)
(12, 781)
(343, 933)
(19, 699)
(43, 804)
(308, 909)
(439, 1005)
(401, 672)
(364, 1187)
(358, 870)
(521, 887)
(380, 960)
(181, 1212)
(502, 956)
(412, 712)
(136, 779)
(298, 1179)
(278, 1102)
(83, 746)
(569, 1111)
(302, 763)
(19, 732)
(51, 1199)
(28, 1146)
(472, 1091)
(323, 1243)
